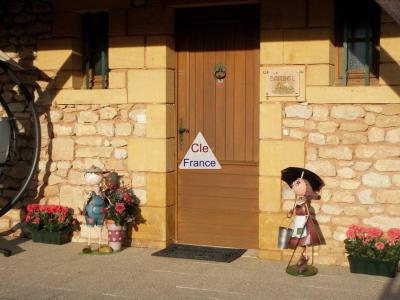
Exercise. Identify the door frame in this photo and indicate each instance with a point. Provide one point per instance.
(179, 6)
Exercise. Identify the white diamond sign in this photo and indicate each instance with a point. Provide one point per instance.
(199, 156)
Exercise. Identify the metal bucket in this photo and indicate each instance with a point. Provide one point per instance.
(284, 236)
(5, 133)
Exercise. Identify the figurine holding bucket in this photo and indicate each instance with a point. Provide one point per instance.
(303, 231)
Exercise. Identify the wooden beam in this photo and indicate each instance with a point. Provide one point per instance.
(392, 7)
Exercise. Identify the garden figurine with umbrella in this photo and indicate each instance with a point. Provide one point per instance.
(304, 231)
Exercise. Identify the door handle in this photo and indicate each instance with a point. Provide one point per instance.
(182, 130)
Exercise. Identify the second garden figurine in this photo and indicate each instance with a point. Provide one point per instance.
(304, 228)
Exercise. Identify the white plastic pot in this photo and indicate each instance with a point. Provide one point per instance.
(5, 134)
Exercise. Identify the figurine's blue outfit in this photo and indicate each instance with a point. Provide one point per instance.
(94, 214)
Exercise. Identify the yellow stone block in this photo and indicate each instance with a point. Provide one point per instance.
(117, 79)
(271, 47)
(151, 86)
(319, 74)
(283, 14)
(161, 189)
(126, 52)
(353, 94)
(160, 52)
(117, 22)
(270, 254)
(302, 84)
(278, 155)
(96, 96)
(159, 224)
(160, 121)
(270, 121)
(154, 155)
(389, 74)
(67, 24)
(268, 229)
(306, 46)
(69, 80)
(56, 54)
(270, 194)
(151, 20)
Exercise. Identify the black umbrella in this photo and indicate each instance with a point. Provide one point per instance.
(289, 175)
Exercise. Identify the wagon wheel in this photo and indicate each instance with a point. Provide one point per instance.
(6, 66)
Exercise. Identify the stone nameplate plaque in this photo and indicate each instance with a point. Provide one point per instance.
(282, 82)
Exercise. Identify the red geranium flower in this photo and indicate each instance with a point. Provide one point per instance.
(36, 221)
(119, 208)
(379, 245)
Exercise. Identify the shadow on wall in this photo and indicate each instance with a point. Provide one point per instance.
(21, 37)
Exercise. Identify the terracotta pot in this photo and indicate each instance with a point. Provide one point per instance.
(115, 236)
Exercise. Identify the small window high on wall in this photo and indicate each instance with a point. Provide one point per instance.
(95, 50)
(357, 42)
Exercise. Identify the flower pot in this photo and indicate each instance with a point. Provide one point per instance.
(372, 267)
(115, 236)
(47, 237)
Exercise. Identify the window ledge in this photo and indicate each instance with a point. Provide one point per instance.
(353, 94)
(97, 96)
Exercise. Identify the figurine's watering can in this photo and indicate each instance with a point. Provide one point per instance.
(285, 233)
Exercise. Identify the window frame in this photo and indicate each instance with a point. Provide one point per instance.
(91, 80)
(356, 78)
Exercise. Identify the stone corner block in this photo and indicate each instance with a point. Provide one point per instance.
(268, 229)
(59, 54)
(151, 86)
(154, 155)
(270, 194)
(161, 189)
(126, 52)
(278, 155)
(271, 121)
(160, 121)
(160, 52)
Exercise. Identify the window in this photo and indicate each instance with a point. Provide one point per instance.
(95, 51)
(357, 42)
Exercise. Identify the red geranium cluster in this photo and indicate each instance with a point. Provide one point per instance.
(123, 205)
(369, 242)
(49, 217)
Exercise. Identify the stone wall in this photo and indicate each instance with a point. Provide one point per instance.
(356, 150)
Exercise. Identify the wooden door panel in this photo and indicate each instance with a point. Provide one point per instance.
(219, 207)
(220, 229)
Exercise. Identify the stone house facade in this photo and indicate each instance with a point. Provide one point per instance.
(350, 135)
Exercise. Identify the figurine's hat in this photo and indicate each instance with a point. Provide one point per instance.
(289, 175)
(94, 169)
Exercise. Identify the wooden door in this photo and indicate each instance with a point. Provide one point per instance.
(219, 207)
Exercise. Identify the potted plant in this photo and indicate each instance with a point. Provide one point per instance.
(51, 224)
(370, 252)
(123, 207)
